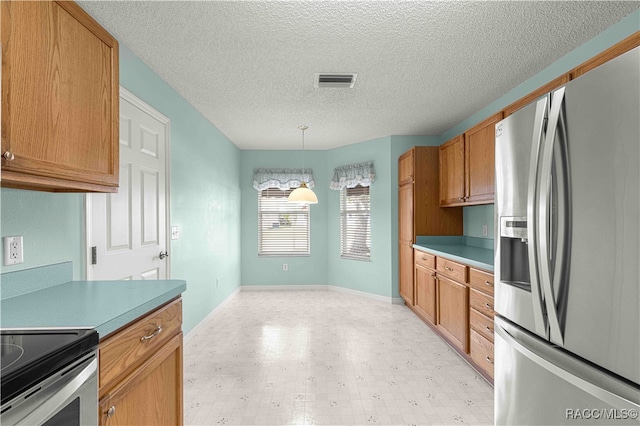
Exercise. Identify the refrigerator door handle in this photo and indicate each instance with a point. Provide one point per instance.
(532, 240)
(589, 379)
(544, 217)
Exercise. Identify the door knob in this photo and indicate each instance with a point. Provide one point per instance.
(9, 156)
(163, 254)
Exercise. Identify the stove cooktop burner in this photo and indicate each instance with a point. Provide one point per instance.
(28, 356)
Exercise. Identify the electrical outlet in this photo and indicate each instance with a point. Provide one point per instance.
(285, 267)
(13, 253)
(485, 230)
(175, 232)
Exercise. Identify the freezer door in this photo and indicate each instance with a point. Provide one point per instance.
(539, 384)
(518, 141)
(596, 298)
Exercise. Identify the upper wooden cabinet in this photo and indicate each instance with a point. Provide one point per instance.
(452, 172)
(60, 96)
(467, 166)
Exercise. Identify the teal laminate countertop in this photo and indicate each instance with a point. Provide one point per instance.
(103, 305)
(476, 252)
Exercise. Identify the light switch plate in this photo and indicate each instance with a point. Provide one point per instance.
(175, 232)
(13, 253)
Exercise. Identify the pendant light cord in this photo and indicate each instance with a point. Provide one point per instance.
(303, 128)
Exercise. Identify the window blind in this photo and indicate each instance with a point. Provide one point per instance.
(355, 223)
(283, 227)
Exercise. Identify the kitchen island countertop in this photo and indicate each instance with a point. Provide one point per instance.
(103, 305)
(469, 250)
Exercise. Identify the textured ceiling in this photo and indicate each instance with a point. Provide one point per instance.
(423, 66)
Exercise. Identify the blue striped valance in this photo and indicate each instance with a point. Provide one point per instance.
(352, 175)
(282, 179)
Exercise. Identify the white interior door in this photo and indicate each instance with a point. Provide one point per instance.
(127, 231)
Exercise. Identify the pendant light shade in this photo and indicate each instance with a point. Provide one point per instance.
(303, 194)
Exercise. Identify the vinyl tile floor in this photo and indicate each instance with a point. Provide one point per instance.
(326, 358)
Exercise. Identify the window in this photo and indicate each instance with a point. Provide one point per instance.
(283, 227)
(355, 223)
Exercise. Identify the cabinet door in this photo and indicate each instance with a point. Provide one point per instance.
(405, 167)
(479, 147)
(425, 297)
(406, 272)
(59, 98)
(151, 395)
(405, 214)
(453, 312)
(452, 172)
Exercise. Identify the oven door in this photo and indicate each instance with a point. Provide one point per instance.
(69, 398)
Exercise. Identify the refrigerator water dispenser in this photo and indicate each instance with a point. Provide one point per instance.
(514, 252)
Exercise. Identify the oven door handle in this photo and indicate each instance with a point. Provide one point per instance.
(53, 404)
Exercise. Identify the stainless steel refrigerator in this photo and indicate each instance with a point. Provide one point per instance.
(567, 298)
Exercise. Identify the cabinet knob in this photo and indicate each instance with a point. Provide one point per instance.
(433, 275)
(489, 283)
(460, 198)
(488, 306)
(111, 411)
(8, 155)
(448, 269)
(489, 360)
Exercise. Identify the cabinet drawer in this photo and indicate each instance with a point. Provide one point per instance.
(424, 259)
(452, 269)
(481, 324)
(481, 351)
(124, 350)
(481, 281)
(481, 303)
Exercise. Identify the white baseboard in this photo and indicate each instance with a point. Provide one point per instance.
(282, 287)
(206, 319)
(359, 293)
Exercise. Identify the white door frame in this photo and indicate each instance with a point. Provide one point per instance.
(148, 109)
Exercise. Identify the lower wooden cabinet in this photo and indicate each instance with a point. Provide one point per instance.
(453, 312)
(140, 377)
(457, 301)
(425, 293)
(151, 395)
(406, 272)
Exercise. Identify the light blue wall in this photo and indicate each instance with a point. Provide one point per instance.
(374, 276)
(306, 270)
(475, 217)
(52, 226)
(205, 195)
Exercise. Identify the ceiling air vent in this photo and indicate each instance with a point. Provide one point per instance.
(340, 80)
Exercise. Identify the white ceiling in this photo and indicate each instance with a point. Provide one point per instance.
(423, 66)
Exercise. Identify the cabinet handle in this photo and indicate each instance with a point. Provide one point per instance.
(489, 283)
(488, 306)
(460, 198)
(448, 269)
(152, 335)
(489, 360)
(111, 411)
(8, 155)
(433, 275)
(424, 257)
(488, 328)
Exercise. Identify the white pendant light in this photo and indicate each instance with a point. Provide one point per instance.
(303, 194)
